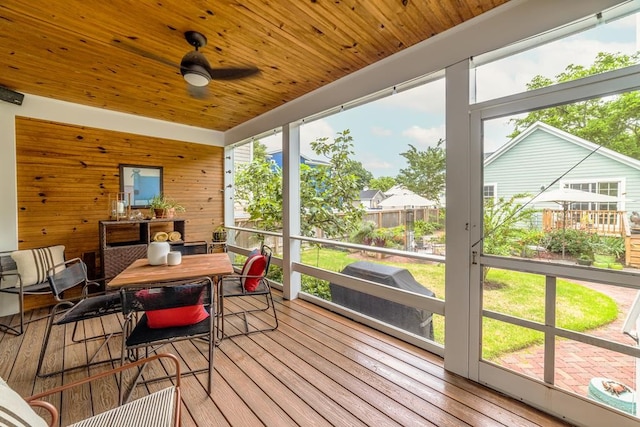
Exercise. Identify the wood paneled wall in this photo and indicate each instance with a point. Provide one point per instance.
(66, 172)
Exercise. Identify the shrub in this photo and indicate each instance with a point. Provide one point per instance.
(364, 234)
(608, 245)
(575, 242)
(423, 228)
(317, 287)
(275, 273)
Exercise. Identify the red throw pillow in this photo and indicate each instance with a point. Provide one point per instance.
(179, 316)
(254, 266)
(185, 315)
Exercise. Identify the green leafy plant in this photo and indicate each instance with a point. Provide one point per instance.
(168, 205)
(158, 202)
(575, 242)
(424, 228)
(317, 287)
(608, 245)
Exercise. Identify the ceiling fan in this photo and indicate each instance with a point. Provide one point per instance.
(196, 70)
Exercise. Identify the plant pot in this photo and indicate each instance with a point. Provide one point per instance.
(219, 236)
(584, 261)
(159, 213)
(616, 266)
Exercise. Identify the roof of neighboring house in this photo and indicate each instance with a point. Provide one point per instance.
(566, 136)
(304, 159)
(396, 189)
(369, 194)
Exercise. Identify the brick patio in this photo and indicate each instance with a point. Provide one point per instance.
(577, 363)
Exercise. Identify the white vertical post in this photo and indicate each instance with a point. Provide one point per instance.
(458, 220)
(8, 178)
(290, 208)
(228, 191)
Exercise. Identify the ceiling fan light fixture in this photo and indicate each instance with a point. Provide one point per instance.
(196, 75)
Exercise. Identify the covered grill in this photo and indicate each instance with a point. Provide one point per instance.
(411, 319)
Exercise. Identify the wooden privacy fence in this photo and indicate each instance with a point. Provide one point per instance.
(384, 218)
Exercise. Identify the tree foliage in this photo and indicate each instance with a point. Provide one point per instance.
(383, 183)
(327, 192)
(613, 122)
(258, 188)
(503, 224)
(362, 175)
(425, 174)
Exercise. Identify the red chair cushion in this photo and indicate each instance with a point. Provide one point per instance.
(254, 266)
(185, 315)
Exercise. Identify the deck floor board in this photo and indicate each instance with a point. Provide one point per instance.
(318, 368)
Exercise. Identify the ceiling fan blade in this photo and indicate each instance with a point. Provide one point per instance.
(231, 73)
(136, 50)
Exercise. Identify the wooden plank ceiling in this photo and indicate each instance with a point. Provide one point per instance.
(123, 55)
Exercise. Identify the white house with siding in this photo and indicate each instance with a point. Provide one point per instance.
(542, 153)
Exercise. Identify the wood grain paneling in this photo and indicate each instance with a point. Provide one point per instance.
(123, 55)
(65, 174)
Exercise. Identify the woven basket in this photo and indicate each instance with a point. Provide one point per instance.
(117, 259)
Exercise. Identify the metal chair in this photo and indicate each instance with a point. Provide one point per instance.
(173, 311)
(158, 409)
(248, 287)
(40, 261)
(76, 310)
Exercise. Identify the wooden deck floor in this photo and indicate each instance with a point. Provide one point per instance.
(317, 369)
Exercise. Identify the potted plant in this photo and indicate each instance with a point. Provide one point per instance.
(606, 250)
(164, 207)
(172, 208)
(584, 259)
(220, 234)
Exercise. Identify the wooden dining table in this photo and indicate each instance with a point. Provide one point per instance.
(140, 272)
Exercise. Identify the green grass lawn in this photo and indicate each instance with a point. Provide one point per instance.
(579, 308)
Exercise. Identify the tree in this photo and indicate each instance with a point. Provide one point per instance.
(613, 122)
(383, 183)
(259, 151)
(362, 175)
(258, 187)
(327, 192)
(425, 174)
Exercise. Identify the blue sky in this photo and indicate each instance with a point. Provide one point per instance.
(383, 129)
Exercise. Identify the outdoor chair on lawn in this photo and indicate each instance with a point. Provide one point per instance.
(158, 409)
(247, 289)
(173, 311)
(76, 310)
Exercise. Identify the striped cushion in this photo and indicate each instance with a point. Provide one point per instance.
(154, 410)
(33, 264)
(14, 411)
